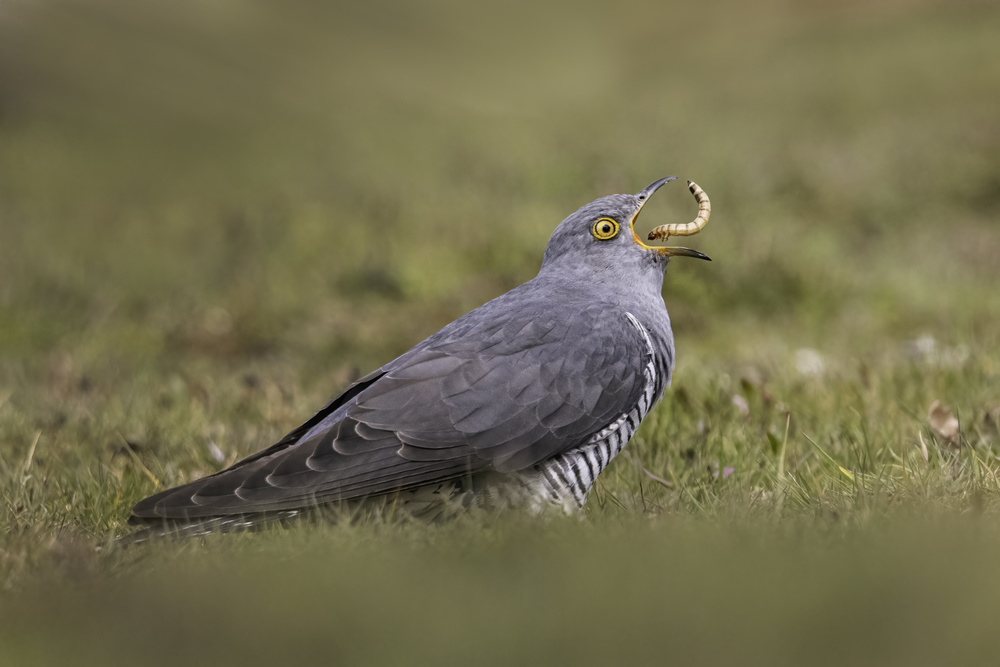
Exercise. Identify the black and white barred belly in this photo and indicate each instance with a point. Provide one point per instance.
(567, 479)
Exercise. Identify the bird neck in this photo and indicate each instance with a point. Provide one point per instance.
(637, 279)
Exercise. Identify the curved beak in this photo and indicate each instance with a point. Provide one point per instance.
(676, 251)
(648, 191)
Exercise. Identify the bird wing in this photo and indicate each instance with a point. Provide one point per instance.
(485, 393)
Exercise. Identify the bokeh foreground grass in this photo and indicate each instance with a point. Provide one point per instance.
(213, 216)
(663, 592)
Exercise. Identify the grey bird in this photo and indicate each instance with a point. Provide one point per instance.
(520, 402)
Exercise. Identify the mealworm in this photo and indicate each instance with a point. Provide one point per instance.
(688, 228)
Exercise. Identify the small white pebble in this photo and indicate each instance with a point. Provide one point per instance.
(741, 404)
(809, 362)
(924, 346)
(215, 452)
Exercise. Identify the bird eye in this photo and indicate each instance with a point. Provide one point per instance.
(605, 229)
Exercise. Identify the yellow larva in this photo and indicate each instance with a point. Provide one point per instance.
(688, 228)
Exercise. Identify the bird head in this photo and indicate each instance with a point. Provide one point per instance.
(602, 233)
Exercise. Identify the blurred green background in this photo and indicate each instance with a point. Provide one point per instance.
(213, 215)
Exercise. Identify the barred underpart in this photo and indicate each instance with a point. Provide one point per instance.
(566, 480)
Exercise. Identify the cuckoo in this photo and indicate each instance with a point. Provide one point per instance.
(520, 402)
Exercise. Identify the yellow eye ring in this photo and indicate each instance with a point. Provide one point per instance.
(605, 229)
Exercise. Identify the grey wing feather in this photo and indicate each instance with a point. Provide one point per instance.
(495, 394)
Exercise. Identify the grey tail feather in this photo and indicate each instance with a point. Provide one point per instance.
(175, 529)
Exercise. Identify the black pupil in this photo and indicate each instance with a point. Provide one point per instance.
(605, 228)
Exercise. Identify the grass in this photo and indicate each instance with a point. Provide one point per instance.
(214, 216)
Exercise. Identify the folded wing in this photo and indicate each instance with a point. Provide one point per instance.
(486, 393)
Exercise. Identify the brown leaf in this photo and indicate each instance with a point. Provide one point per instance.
(944, 423)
